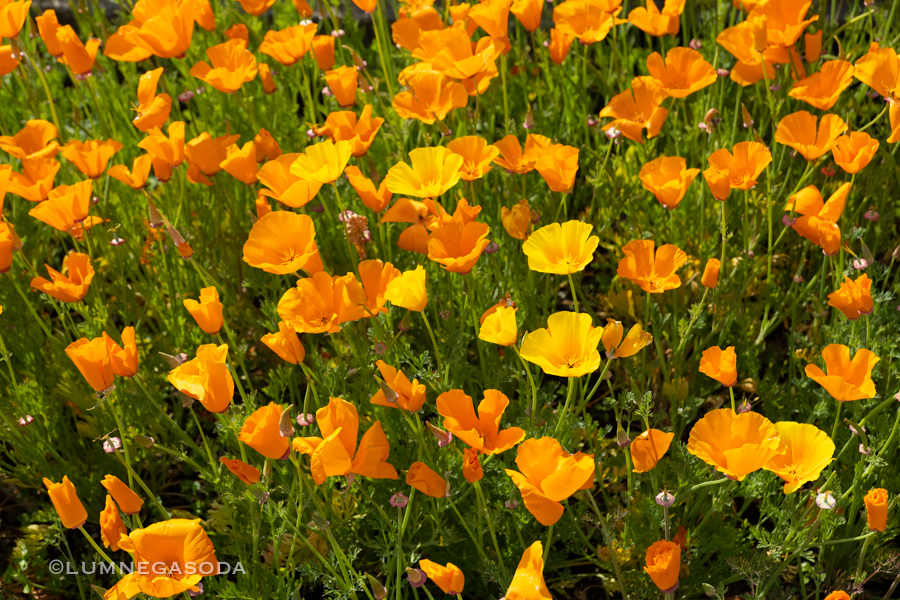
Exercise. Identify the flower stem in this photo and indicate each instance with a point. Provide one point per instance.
(533, 388)
(490, 522)
(572, 288)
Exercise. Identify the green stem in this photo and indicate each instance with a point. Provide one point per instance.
(490, 523)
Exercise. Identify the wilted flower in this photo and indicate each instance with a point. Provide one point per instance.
(825, 501)
(112, 444)
(399, 500)
(665, 499)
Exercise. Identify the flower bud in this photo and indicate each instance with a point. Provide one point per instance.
(111, 445)
(665, 499)
(144, 441)
(622, 438)
(319, 522)
(710, 590)
(511, 504)
(444, 437)
(405, 322)
(304, 420)
(416, 577)
(26, 421)
(379, 592)
(284, 423)
(156, 219)
(389, 394)
(260, 495)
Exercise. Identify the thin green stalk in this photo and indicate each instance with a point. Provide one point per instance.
(490, 523)
(533, 388)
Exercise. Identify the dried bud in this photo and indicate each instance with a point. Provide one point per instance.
(398, 500)
(665, 499)
(156, 219)
(284, 424)
(826, 501)
(379, 592)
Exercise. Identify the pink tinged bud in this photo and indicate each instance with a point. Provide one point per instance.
(116, 241)
(798, 279)
(788, 221)
(672, 589)
(511, 504)
(872, 215)
(416, 577)
(826, 501)
(613, 133)
(156, 219)
(872, 94)
(665, 499)
(535, 217)
(389, 394)
(744, 407)
(318, 208)
(864, 450)
(26, 421)
(284, 423)
(443, 437)
(380, 348)
(379, 592)
(199, 590)
(201, 90)
(547, 42)
(445, 314)
(622, 438)
(144, 441)
(185, 96)
(591, 121)
(111, 445)
(828, 171)
(775, 87)
(305, 420)
(326, 91)
(398, 500)
(860, 264)
(260, 495)
(492, 248)
(405, 322)
(310, 133)
(722, 72)
(318, 522)
(695, 44)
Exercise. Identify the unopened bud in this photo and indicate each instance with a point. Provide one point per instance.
(621, 437)
(710, 590)
(379, 592)
(144, 441)
(284, 424)
(416, 577)
(156, 219)
(389, 394)
(319, 522)
(748, 120)
(260, 495)
(406, 321)
(174, 361)
(443, 437)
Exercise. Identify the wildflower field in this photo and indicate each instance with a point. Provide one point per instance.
(515, 299)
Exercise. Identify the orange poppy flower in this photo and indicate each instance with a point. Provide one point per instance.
(343, 82)
(375, 199)
(344, 126)
(818, 220)
(77, 56)
(558, 165)
(852, 152)
(337, 454)
(8, 239)
(663, 564)
(92, 360)
(9, 60)
(181, 545)
(121, 49)
(418, 214)
(880, 70)
(129, 502)
(409, 396)
(431, 96)
(567, 347)
(208, 312)
(499, 327)
(368, 6)
(616, 347)
(433, 172)
(408, 290)
(283, 242)
(560, 43)
(720, 365)
(846, 379)
(67, 289)
(424, 479)
(513, 159)
(289, 189)
(375, 276)
(561, 249)
(636, 109)
(798, 130)
(838, 595)
(481, 432)
(450, 578)
(648, 448)
(66, 206)
(655, 22)
(205, 155)
(47, 25)
(668, 178)
(735, 444)
(265, 77)
(683, 72)
(111, 525)
(238, 31)
(710, 277)
(323, 48)
(246, 473)
(477, 155)
(853, 298)
(261, 431)
(548, 476)
(877, 504)
(206, 378)
(492, 16)
(136, 178)
(653, 275)
(822, 89)
(528, 581)
(738, 169)
(590, 21)
(288, 45)
(323, 162)
(528, 12)
(285, 344)
(784, 20)
(240, 163)
(518, 220)
(304, 10)
(36, 140)
(320, 303)
(12, 17)
(256, 7)
(807, 451)
(267, 147)
(65, 500)
(471, 468)
(167, 151)
(35, 181)
(232, 66)
(91, 157)
(123, 359)
(161, 27)
(457, 246)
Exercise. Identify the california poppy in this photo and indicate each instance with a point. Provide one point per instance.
(500, 327)
(528, 12)
(7, 246)
(560, 43)
(408, 290)
(480, 432)
(710, 277)
(512, 158)
(818, 220)
(528, 581)
(266, 78)
(48, 24)
(288, 45)
(735, 444)
(36, 140)
(409, 396)
(663, 564)
(431, 96)
(320, 303)
(343, 83)
(877, 505)
(433, 172)
(232, 66)
(162, 27)
(798, 130)
(847, 379)
(65, 500)
(323, 48)
(655, 22)
(129, 502)
(586, 20)
(653, 275)
(123, 359)
(77, 56)
(424, 479)
(240, 163)
(492, 16)
(71, 288)
(518, 220)
(375, 277)
(256, 7)
(720, 365)
(167, 150)
(337, 454)
(267, 147)
(457, 246)
(471, 468)
(785, 22)
(853, 298)
(449, 578)
(738, 169)
(111, 525)
(285, 344)
(880, 70)
(120, 48)
(683, 72)
(561, 249)
(648, 448)
(91, 157)
(208, 311)
(205, 155)
(261, 432)
(548, 476)
(92, 360)
(181, 545)
(136, 177)
(838, 594)
(668, 178)
(477, 155)
(344, 126)
(289, 189)
(36, 179)
(66, 206)
(206, 378)
(323, 162)
(567, 347)
(823, 88)
(246, 473)
(852, 152)
(558, 166)
(616, 347)
(636, 109)
(807, 451)
(375, 199)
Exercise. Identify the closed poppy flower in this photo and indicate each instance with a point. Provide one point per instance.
(265, 77)
(560, 44)
(35, 181)
(262, 206)
(710, 277)
(261, 431)
(492, 16)
(812, 45)
(477, 155)
(653, 275)
(807, 451)
(471, 469)
(589, 21)
(785, 22)
(129, 502)
(616, 347)
(421, 477)
(206, 378)
(283, 242)
(343, 82)
(205, 155)
(162, 27)
(136, 177)
(92, 360)
(683, 72)
(7, 246)
(256, 7)
(47, 25)
(232, 66)
(663, 564)
(375, 199)
(636, 109)
(818, 219)
(421, 222)
(738, 169)
(123, 359)
(852, 152)
(720, 365)
(408, 290)
(238, 31)
(500, 327)
(548, 476)
(517, 221)
(655, 22)
(323, 48)
(181, 545)
(853, 298)
(36, 140)
(208, 311)
(846, 379)
(66, 206)
(65, 500)
(111, 525)
(344, 126)
(409, 396)
(77, 56)
(323, 162)
(433, 172)
(798, 131)
(12, 17)
(561, 249)
(512, 158)
(267, 147)
(457, 246)
(567, 347)
(648, 448)
(558, 166)
(167, 151)
(289, 189)
(304, 10)
(482, 431)
(285, 344)
(92, 156)
(822, 89)
(735, 444)
(9, 60)
(203, 14)
(71, 288)
(288, 45)
(528, 12)
(528, 581)
(668, 178)
(337, 454)
(839, 594)
(240, 163)
(246, 473)
(431, 96)
(877, 509)
(320, 303)
(450, 578)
